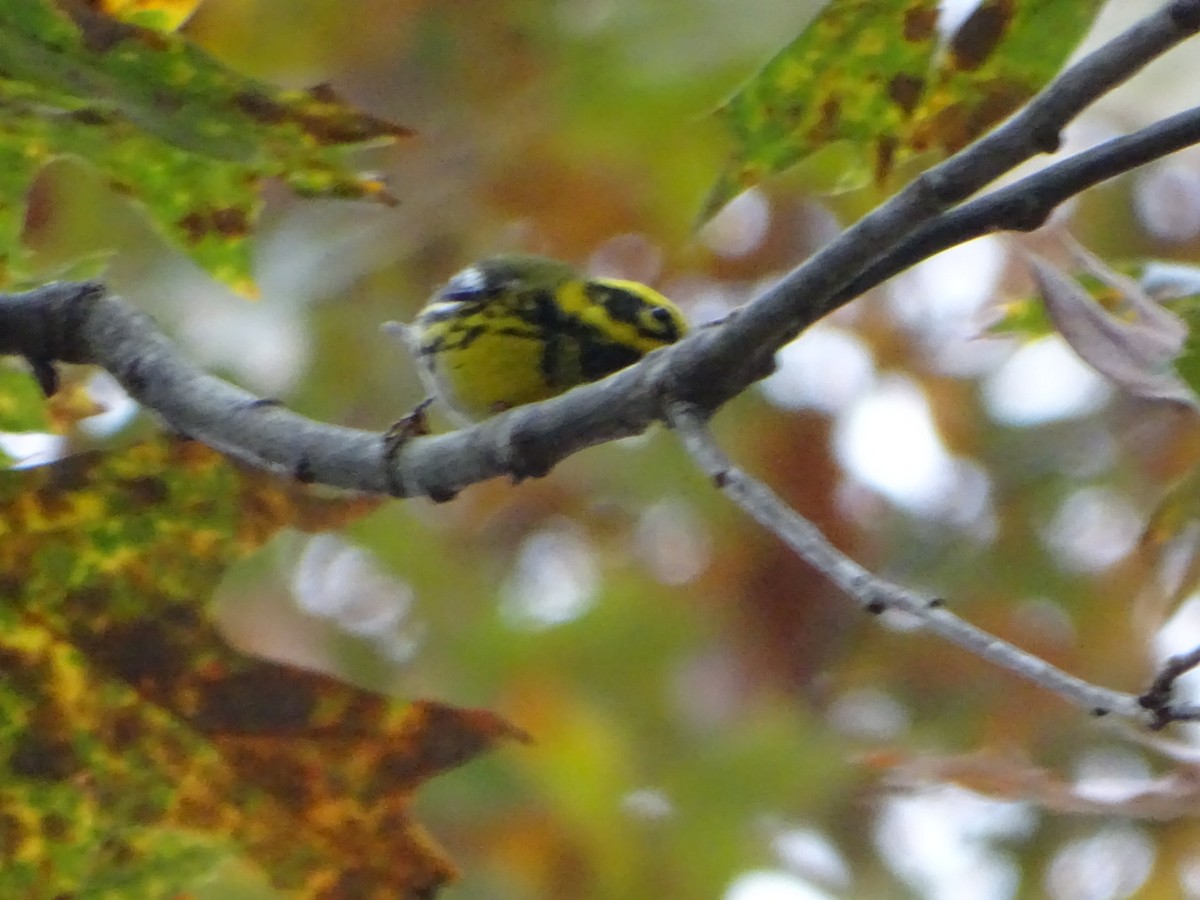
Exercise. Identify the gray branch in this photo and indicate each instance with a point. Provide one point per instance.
(79, 323)
(682, 384)
(877, 596)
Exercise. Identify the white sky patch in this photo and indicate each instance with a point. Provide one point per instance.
(809, 853)
(1166, 200)
(1181, 633)
(1093, 528)
(1047, 619)
(1111, 775)
(336, 580)
(1165, 279)
(709, 689)
(647, 804)
(940, 842)
(554, 579)
(825, 369)
(888, 441)
(672, 542)
(941, 298)
(766, 884)
(740, 227)
(970, 506)
(702, 299)
(119, 407)
(1189, 876)
(631, 255)
(970, 355)
(1043, 381)
(868, 714)
(313, 251)
(1109, 865)
(266, 344)
(952, 14)
(32, 448)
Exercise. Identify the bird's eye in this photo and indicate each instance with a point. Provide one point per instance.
(663, 324)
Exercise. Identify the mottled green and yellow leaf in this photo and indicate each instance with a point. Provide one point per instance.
(871, 78)
(167, 125)
(140, 748)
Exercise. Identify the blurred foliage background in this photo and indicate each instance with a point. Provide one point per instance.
(710, 718)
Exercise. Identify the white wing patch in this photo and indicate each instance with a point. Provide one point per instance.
(442, 309)
(469, 281)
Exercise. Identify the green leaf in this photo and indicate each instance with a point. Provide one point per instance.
(139, 749)
(1004, 53)
(868, 74)
(1177, 510)
(854, 74)
(168, 126)
(1025, 317)
(1187, 363)
(22, 404)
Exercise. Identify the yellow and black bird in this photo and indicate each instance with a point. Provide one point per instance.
(516, 329)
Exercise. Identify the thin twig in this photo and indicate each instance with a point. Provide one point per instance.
(80, 323)
(1157, 700)
(875, 594)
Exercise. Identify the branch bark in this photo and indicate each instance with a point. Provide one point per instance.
(683, 384)
(79, 323)
(1154, 708)
(1025, 205)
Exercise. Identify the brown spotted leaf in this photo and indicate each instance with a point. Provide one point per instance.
(138, 744)
(167, 125)
(999, 58)
(853, 75)
(871, 77)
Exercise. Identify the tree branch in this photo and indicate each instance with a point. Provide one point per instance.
(1157, 700)
(77, 323)
(737, 353)
(877, 596)
(1025, 205)
(682, 384)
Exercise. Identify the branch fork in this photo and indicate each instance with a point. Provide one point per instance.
(682, 385)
